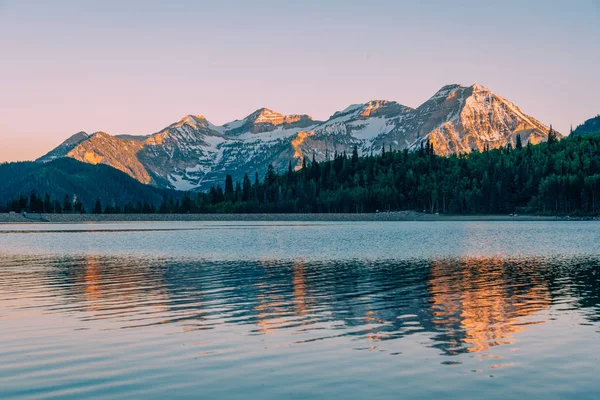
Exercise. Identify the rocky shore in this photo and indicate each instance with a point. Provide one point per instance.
(392, 216)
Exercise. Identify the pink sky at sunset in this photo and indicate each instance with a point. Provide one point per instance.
(135, 67)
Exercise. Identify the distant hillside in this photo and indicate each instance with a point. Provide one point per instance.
(590, 126)
(66, 176)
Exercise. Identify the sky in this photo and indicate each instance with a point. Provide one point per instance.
(137, 66)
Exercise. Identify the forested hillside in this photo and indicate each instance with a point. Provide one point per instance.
(69, 185)
(591, 126)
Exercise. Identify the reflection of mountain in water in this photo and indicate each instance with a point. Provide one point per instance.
(480, 303)
(464, 305)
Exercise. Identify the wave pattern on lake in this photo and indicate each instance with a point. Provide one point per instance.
(160, 326)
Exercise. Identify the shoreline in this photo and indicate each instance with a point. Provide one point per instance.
(6, 218)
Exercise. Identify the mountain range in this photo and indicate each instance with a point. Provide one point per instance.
(193, 153)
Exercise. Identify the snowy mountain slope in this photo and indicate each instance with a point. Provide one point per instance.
(193, 154)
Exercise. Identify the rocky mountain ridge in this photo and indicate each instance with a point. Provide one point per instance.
(193, 154)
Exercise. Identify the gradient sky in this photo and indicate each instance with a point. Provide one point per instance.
(137, 66)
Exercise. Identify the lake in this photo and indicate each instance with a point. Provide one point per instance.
(380, 310)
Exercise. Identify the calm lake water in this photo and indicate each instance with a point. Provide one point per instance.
(300, 310)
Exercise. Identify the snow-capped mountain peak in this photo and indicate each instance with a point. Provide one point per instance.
(479, 88)
(266, 120)
(267, 116)
(192, 120)
(382, 108)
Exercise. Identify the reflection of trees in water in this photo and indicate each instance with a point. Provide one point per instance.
(468, 305)
(577, 281)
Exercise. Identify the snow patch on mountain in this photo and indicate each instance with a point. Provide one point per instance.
(371, 128)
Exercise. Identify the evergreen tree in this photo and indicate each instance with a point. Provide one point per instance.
(354, 156)
(97, 207)
(552, 137)
(246, 189)
(186, 204)
(229, 188)
(519, 144)
(48, 204)
(67, 204)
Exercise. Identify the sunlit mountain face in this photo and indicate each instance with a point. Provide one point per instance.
(193, 153)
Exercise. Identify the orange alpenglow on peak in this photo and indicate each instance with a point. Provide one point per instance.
(267, 116)
(372, 106)
(191, 120)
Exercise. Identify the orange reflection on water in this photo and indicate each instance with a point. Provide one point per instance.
(273, 310)
(91, 282)
(480, 304)
(120, 288)
(271, 305)
(299, 288)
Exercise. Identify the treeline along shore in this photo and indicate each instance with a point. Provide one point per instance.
(14, 218)
(560, 177)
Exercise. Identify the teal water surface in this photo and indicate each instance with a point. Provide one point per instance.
(233, 310)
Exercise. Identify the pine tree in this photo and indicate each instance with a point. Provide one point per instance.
(67, 204)
(246, 188)
(23, 203)
(229, 188)
(48, 205)
(270, 176)
(256, 187)
(519, 144)
(290, 173)
(552, 137)
(171, 205)
(238, 192)
(186, 204)
(163, 209)
(97, 207)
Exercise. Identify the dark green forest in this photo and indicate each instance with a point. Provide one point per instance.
(557, 177)
(67, 185)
